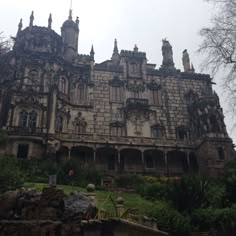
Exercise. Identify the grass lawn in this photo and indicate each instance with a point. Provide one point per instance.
(131, 200)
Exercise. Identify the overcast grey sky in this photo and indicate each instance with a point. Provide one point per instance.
(141, 22)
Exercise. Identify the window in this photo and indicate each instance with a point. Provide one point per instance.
(221, 154)
(33, 79)
(117, 131)
(81, 127)
(116, 94)
(59, 124)
(23, 118)
(155, 97)
(62, 85)
(82, 92)
(182, 133)
(28, 119)
(134, 68)
(157, 131)
(22, 152)
(32, 120)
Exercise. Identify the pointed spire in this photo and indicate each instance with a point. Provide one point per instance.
(20, 26)
(115, 47)
(115, 56)
(31, 19)
(70, 14)
(50, 21)
(92, 53)
(135, 48)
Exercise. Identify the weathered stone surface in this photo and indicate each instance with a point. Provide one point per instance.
(77, 205)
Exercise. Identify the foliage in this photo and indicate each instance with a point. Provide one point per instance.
(215, 195)
(11, 177)
(169, 220)
(3, 137)
(219, 44)
(5, 45)
(217, 221)
(129, 181)
(153, 191)
(187, 193)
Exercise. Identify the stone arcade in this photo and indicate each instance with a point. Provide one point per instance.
(122, 115)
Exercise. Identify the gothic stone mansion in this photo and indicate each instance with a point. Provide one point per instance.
(123, 115)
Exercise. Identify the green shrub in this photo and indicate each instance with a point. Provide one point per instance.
(129, 181)
(11, 177)
(169, 220)
(187, 193)
(217, 221)
(154, 191)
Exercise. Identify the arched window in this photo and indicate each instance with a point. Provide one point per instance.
(62, 85)
(32, 119)
(23, 116)
(59, 123)
(157, 131)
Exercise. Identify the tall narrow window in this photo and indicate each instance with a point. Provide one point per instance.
(82, 92)
(116, 94)
(155, 97)
(214, 124)
(23, 116)
(32, 120)
(62, 85)
(33, 79)
(59, 124)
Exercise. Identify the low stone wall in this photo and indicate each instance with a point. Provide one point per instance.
(113, 227)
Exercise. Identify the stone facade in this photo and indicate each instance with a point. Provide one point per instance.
(122, 115)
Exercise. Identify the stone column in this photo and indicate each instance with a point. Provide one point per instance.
(167, 166)
(69, 154)
(118, 159)
(52, 112)
(91, 193)
(94, 155)
(143, 161)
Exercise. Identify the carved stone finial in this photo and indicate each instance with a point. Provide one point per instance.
(20, 25)
(31, 19)
(77, 21)
(135, 48)
(186, 61)
(50, 21)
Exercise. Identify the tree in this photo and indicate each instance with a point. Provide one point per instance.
(5, 45)
(219, 44)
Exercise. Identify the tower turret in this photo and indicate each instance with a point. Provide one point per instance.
(70, 35)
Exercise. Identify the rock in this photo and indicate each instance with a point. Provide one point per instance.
(7, 204)
(78, 207)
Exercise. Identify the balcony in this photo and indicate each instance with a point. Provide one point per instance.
(25, 131)
(136, 102)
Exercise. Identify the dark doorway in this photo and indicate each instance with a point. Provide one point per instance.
(22, 152)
